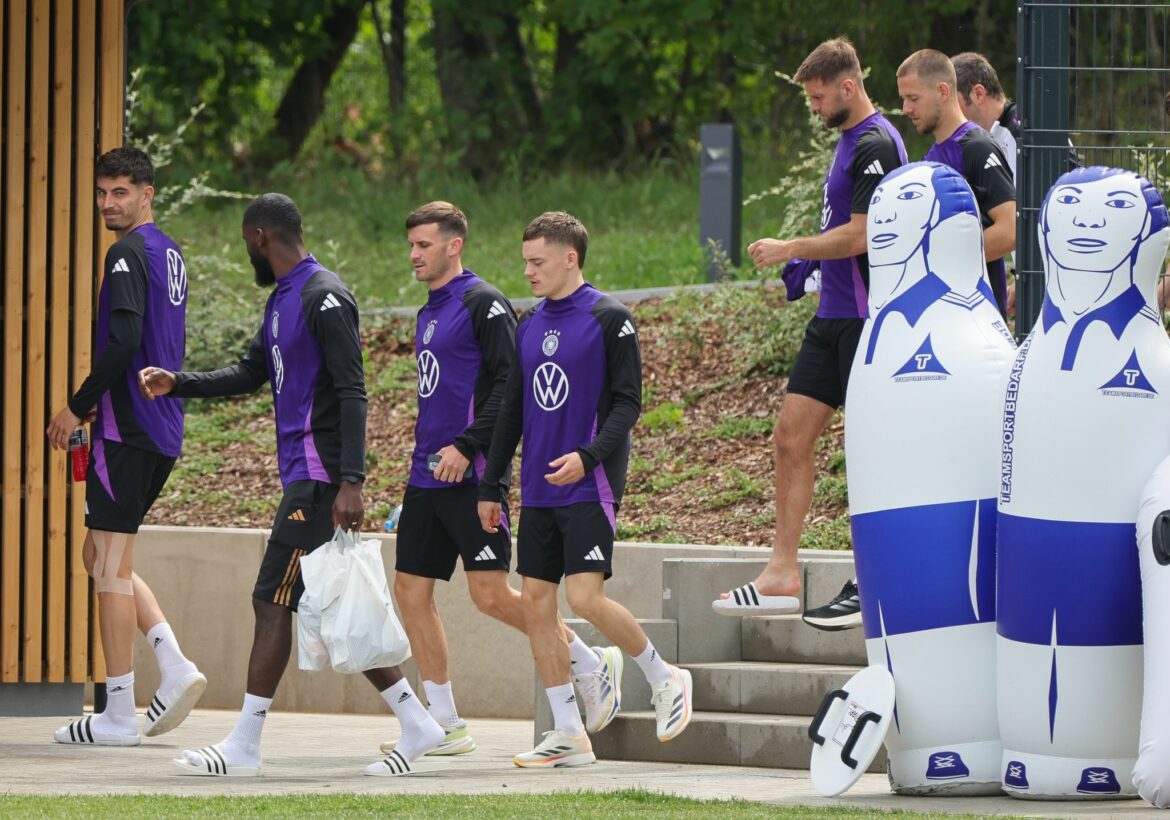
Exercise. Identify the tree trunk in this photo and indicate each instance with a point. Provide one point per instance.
(304, 99)
(392, 46)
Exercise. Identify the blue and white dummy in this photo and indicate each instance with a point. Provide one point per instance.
(1151, 775)
(1085, 422)
(925, 398)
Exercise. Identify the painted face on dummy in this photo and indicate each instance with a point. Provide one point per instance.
(1095, 226)
(901, 214)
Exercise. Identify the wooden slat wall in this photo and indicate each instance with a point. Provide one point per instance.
(60, 105)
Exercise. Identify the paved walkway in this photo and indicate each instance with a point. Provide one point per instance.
(325, 754)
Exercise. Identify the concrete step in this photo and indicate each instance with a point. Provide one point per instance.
(689, 585)
(765, 688)
(716, 738)
(788, 639)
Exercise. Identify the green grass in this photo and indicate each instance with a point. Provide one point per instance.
(831, 534)
(625, 803)
(734, 427)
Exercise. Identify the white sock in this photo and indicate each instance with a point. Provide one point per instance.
(564, 708)
(172, 663)
(119, 716)
(582, 659)
(420, 731)
(441, 702)
(656, 670)
(242, 746)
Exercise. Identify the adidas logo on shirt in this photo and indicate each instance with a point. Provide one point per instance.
(992, 162)
(297, 515)
(496, 310)
(330, 302)
(875, 169)
(121, 266)
(486, 554)
(594, 554)
(627, 329)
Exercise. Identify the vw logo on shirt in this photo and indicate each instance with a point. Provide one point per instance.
(275, 324)
(428, 373)
(277, 368)
(550, 385)
(176, 277)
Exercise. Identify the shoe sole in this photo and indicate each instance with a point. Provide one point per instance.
(834, 624)
(616, 684)
(200, 771)
(688, 698)
(462, 746)
(129, 740)
(567, 762)
(177, 712)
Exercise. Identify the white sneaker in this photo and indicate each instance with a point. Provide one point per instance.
(672, 704)
(558, 750)
(601, 689)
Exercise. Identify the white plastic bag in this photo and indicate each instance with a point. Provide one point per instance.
(350, 623)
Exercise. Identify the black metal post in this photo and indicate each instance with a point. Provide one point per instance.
(720, 195)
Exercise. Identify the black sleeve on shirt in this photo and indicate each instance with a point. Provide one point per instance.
(125, 280)
(495, 331)
(509, 426)
(990, 179)
(623, 359)
(336, 331)
(245, 376)
(123, 342)
(875, 145)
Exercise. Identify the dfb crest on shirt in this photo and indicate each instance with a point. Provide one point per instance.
(550, 386)
(176, 277)
(277, 369)
(428, 373)
(275, 323)
(552, 340)
(429, 333)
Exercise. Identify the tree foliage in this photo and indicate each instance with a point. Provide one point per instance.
(491, 84)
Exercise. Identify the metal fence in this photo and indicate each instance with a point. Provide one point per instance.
(1095, 74)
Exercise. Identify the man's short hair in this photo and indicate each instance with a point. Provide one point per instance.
(972, 69)
(126, 162)
(451, 220)
(930, 66)
(276, 214)
(561, 228)
(828, 61)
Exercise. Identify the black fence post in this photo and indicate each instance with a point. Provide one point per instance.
(1042, 83)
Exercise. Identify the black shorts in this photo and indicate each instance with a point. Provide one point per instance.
(122, 484)
(304, 521)
(440, 524)
(558, 541)
(825, 358)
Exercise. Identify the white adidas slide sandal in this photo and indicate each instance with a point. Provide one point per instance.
(396, 765)
(210, 762)
(746, 600)
(168, 709)
(82, 732)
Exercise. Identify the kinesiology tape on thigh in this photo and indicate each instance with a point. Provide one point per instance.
(109, 547)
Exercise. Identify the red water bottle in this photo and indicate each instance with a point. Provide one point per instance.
(79, 453)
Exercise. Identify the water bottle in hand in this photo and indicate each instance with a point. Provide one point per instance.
(392, 521)
(79, 453)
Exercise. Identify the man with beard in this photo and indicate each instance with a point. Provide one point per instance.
(141, 318)
(309, 350)
(868, 150)
(930, 98)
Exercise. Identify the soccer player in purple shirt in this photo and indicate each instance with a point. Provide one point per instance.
(869, 149)
(927, 84)
(574, 394)
(308, 350)
(141, 317)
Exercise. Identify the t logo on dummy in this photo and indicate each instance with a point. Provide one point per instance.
(920, 441)
(1084, 425)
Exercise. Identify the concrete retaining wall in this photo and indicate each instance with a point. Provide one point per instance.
(203, 579)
